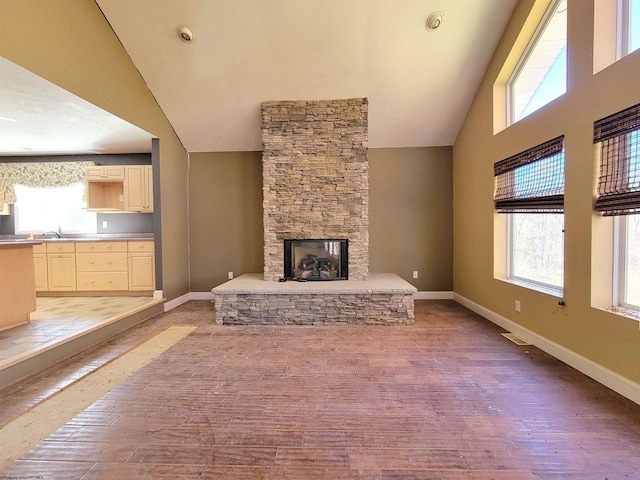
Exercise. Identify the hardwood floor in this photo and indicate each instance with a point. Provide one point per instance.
(446, 399)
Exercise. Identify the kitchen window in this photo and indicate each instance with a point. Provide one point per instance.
(44, 209)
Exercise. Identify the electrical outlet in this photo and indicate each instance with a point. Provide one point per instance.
(517, 305)
(415, 274)
(104, 224)
(230, 275)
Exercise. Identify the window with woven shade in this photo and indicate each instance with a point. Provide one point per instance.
(618, 136)
(532, 181)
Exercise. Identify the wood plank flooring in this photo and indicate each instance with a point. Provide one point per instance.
(448, 398)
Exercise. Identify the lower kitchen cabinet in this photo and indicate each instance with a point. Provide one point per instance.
(141, 266)
(104, 266)
(61, 267)
(101, 266)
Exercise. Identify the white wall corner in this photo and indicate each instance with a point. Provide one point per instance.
(606, 377)
(433, 296)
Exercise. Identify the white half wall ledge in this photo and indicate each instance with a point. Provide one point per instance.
(597, 372)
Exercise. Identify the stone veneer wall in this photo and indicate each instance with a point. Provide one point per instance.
(315, 178)
(340, 309)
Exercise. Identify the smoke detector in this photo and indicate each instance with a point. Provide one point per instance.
(434, 20)
(185, 33)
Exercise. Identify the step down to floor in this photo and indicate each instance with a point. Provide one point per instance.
(35, 361)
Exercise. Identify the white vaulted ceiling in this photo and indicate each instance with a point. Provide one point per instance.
(420, 83)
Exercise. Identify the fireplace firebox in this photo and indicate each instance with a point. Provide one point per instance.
(316, 260)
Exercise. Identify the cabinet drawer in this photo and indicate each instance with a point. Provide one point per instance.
(90, 281)
(101, 262)
(146, 246)
(60, 247)
(103, 247)
(42, 248)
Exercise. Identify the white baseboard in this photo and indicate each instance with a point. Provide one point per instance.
(201, 296)
(433, 296)
(609, 378)
(176, 302)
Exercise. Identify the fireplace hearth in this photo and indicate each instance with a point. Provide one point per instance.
(316, 259)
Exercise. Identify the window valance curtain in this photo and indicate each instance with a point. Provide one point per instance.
(532, 181)
(619, 179)
(39, 174)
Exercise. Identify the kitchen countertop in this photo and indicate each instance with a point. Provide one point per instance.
(18, 242)
(107, 237)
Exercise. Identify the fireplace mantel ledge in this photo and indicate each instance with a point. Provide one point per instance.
(254, 283)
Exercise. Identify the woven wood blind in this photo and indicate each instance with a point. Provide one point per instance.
(619, 180)
(532, 181)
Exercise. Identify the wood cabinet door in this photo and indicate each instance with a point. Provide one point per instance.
(138, 188)
(134, 197)
(106, 173)
(141, 271)
(61, 272)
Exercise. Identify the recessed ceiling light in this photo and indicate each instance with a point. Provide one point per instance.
(185, 33)
(434, 20)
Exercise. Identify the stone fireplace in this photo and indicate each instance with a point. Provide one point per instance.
(316, 226)
(315, 172)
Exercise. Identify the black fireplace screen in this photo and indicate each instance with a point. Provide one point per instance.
(323, 259)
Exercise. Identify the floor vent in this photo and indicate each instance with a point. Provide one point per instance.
(515, 339)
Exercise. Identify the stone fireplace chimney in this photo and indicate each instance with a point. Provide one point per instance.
(315, 178)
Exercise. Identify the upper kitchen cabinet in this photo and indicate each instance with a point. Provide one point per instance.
(106, 173)
(123, 188)
(105, 188)
(138, 185)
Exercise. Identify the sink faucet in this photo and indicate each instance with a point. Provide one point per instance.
(57, 233)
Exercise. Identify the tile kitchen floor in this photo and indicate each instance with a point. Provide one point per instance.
(59, 318)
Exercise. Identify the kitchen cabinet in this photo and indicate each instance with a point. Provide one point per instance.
(101, 266)
(141, 266)
(104, 173)
(40, 265)
(105, 188)
(138, 188)
(61, 266)
(17, 285)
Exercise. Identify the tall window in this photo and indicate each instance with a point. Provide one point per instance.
(628, 26)
(530, 188)
(541, 74)
(43, 209)
(628, 291)
(618, 138)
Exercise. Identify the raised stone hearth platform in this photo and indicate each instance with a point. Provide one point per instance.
(383, 299)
